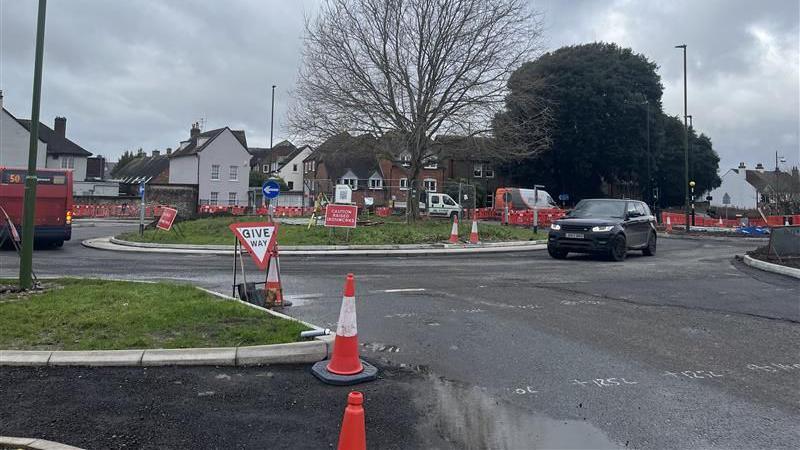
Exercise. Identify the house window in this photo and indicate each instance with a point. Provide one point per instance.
(403, 184)
(294, 167)
(430, 185)
(214, 198)
(290, 185)
(231, 198)
(488, 172)
(405, 159)
(234, 175)
(215, 171)
(490, 200)
(265, 169)
(375, 183)
(477, 170)
(67, 162)
(352, 182)
(431, 163)
(275, 166)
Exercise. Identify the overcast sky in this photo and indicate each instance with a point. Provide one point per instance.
(137, 74)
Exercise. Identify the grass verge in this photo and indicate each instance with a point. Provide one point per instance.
(214, 230)
(77, 314)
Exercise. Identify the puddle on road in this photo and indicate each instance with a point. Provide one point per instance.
(470, 418)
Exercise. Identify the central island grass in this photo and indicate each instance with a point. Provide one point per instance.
(76, 314)
(214, 230)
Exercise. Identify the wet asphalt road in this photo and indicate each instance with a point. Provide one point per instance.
(685, 349)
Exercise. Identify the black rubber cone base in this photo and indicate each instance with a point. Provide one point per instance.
(320, 370)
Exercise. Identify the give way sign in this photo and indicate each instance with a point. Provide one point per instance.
(258, 238)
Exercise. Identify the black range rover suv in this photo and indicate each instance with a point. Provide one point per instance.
(604, 226)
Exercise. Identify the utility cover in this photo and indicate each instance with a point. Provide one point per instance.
(258, 238)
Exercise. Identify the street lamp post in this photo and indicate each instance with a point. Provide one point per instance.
(272, 117)
(685, 142)
(691, 149)
(29, 201)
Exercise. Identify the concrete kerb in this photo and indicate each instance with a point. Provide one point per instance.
(113, 244)
(33, 443)
(770, 267)
(289, 353)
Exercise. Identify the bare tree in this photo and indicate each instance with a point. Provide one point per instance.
(412, 68)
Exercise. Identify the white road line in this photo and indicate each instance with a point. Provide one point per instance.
(391, 291)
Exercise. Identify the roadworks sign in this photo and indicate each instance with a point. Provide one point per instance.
(259, 238)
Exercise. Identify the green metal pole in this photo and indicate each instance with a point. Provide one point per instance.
(26, 258)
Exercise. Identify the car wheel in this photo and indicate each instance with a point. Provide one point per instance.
(557, 253)
(618, 248)
(650, 250)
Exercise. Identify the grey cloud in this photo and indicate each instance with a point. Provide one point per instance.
(136, 74)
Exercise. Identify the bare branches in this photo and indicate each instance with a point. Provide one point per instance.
(414, 67)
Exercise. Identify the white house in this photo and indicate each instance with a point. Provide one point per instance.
(283, 160)
(14, 141)
(735, 191)
(55, 151)
(217, 162)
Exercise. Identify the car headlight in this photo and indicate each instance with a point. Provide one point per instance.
(602, 229)
(555, 226)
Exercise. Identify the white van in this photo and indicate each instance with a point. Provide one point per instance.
(440, 205)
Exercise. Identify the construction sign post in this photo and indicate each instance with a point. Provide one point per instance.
(258, 238)
(344, 216)
(167, 218)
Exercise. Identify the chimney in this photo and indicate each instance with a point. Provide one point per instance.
(169, 151)
(760, 167)
(742, 166)
(195, 131)
(156, 153)
(60, 127)
(795, 173)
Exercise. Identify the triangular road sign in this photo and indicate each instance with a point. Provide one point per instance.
(258, 238)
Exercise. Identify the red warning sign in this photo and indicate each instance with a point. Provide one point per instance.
(167, 218)
(258, 238)
(344, 216)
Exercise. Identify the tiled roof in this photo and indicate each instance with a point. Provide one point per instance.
(142, 168)
(192, 148)
(56, 145)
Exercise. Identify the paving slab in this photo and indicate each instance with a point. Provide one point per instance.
(293, 353)
(41, 444)
(24, 357)
(190, 357)
(96, 358)
(12, 441)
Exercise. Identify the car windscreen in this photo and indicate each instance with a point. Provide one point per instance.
(587, 209)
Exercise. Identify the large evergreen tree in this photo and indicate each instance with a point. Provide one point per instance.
(601, 97)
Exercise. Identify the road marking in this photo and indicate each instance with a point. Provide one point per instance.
(773, 367)
(303, 296)
(605, 382)
(524, 391)
(696, 374)
(392, 291)
(400, 315)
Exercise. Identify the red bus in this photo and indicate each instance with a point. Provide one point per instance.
(53, 218)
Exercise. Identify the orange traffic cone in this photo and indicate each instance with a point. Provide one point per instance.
(669, 225)
(345, 348)
(345, 367)
(473, 235)
(273, 285)
(354, 432)
(454, 231)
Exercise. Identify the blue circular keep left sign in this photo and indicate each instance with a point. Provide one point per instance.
(271, 189)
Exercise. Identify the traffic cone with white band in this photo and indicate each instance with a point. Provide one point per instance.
(345, 367)
(669, 224)
(345, 348)
(273, 285)
(454, 231)
(473, 235)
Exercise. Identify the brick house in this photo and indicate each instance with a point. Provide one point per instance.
(469, 160)
(371, 167)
